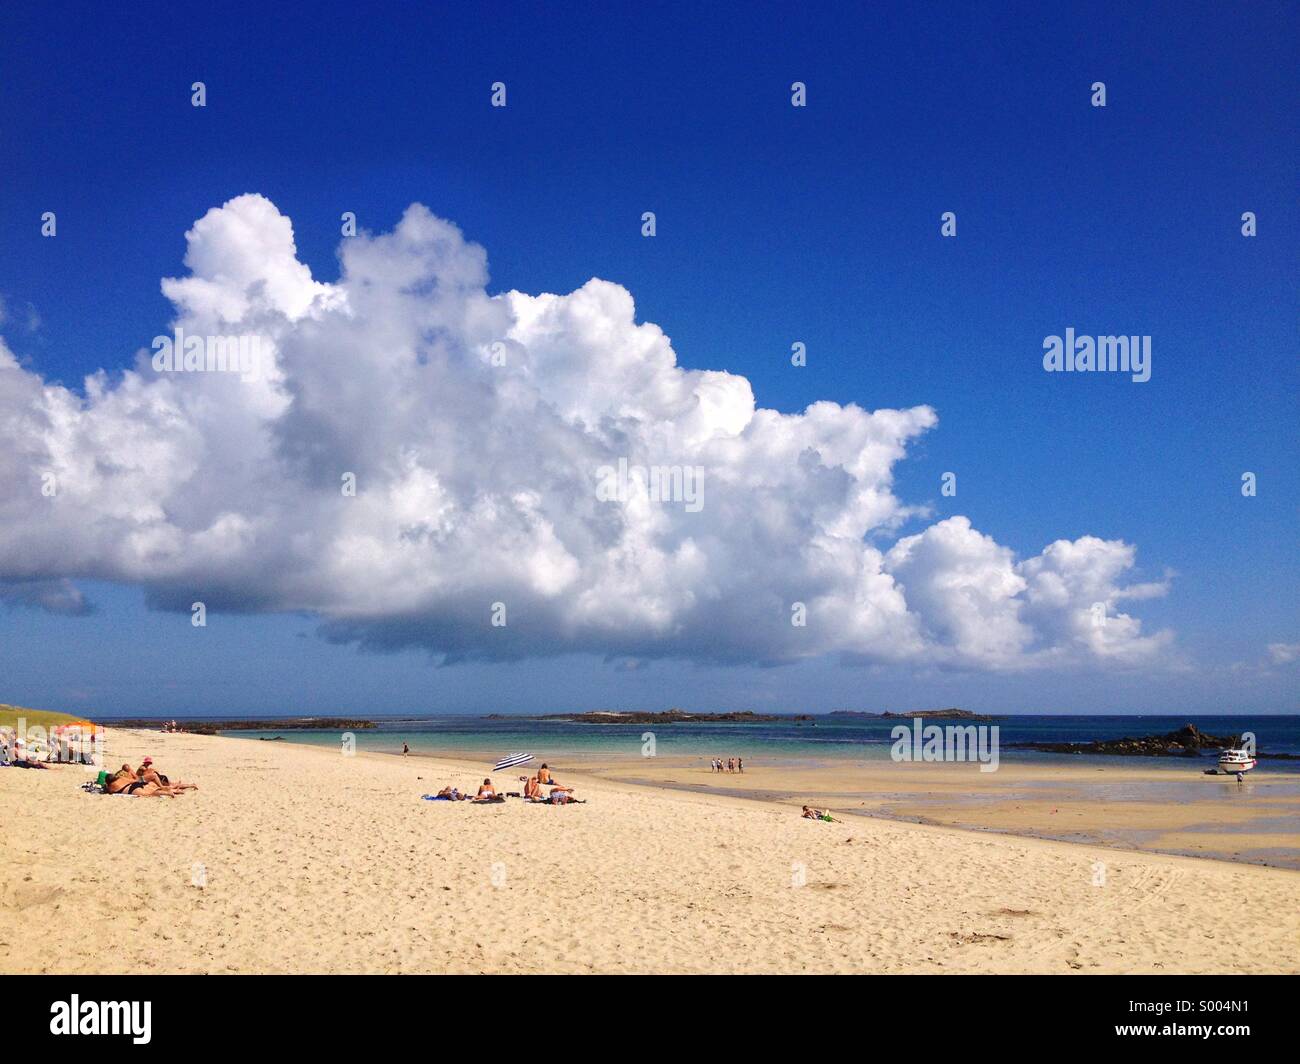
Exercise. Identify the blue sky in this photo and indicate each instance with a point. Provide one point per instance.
(775, 224)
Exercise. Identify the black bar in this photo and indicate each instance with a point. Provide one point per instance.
(333, 1013)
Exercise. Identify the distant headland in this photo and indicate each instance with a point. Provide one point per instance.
(668, 716)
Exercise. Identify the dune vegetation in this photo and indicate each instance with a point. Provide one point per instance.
(35, 718)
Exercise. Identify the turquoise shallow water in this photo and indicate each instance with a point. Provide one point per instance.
(842, 741)
(788, 740)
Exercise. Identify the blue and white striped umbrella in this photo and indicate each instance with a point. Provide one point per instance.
(513, 760)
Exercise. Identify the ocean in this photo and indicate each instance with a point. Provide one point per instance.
(785, 741)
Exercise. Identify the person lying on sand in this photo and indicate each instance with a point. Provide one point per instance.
(452, 794)
(486, 793)
(148, 774)
(23, 757)
(560, 795)
(810, 813)
(119, 781)
(123, 781)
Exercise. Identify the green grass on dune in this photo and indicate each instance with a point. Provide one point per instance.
(35, 718)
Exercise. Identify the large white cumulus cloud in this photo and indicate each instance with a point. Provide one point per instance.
(477, 427)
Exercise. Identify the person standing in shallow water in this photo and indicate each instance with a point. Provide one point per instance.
(405, 749)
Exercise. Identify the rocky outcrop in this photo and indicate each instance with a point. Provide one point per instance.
(1187, 741)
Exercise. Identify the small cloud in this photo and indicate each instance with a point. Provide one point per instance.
(19, 313)
(1282, 653)
(61, 597)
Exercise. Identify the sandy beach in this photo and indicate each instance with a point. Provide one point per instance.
(297, 859)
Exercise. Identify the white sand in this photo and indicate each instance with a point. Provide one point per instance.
(314, 862)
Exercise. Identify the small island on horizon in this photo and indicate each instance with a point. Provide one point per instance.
(939, 714)
(681, 716)
(667, 716)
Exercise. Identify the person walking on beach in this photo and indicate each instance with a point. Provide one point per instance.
(405, 749)
(740, 766)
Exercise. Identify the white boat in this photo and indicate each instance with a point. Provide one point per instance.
(1235, 762)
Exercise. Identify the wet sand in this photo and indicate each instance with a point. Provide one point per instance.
(1168, 810)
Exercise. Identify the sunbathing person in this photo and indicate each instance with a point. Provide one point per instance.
(818, 814)
(149, 774)
(532, 789)
(545, 778)
(123, 781)
(452, 794)
(561, 795)
(486, 793)
(24, 758)
(120, 780)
